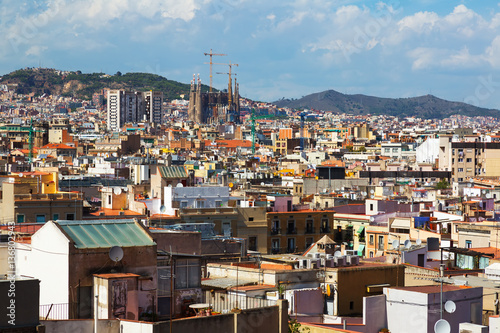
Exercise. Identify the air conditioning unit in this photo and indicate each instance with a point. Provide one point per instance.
(340, 261)
(354, 260)
(330, 263)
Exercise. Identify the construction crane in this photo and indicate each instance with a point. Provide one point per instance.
(229, 87)
(212, 54)
(302, 116)
(253, 118)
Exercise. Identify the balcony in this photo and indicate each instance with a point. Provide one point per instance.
(310, 230)
(324, 230)
(275, 231)
(291, 231)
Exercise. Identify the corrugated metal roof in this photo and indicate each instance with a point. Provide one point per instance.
(173, 172)
(106, 233)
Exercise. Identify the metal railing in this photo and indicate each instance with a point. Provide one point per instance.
(224, 303)
(56, 311)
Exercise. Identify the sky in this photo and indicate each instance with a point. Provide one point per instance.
(284, 49)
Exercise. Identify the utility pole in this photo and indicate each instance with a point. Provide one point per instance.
(211, 63)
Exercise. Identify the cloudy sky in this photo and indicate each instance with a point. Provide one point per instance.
(450, 49)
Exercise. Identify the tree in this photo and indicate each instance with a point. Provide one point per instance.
(118, 73)
(442, 184)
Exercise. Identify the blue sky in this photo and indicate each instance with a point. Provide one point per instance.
(450, 49)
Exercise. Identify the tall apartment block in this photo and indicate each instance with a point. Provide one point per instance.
(133, 107)
(153, 101)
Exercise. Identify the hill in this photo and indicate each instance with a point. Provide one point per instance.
(55, 82)
(427, 107)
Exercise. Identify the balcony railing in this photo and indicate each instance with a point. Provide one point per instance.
(49, 196)
(310, 230)
(324, 230)
(291, 231)
(275, 231)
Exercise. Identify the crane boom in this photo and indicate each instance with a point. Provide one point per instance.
(212, 54)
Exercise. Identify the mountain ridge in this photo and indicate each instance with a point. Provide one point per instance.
(427, 106)
(83, 85)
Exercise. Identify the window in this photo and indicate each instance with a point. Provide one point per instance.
(218, 203)
(371, 207)
(275, 245)
(200, 204)
(164, 281)
(250, 219)
(40, 218)
(20, 218)
(380, 242)
(289, 205)
(371, 239)
(252, 243)
(55, 217)
(351, 305)
(460, 160)
(469, 160)
(109, 199)
(187, 274)
(184, 204)
(460, 169)
(70, 216)
(291, 245)
(309, 242)
(468, 244)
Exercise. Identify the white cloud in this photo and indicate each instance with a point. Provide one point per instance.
(421, 22)
(35, 50)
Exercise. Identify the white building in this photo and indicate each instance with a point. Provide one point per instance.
(417, 309)
(195, 197)
(428, 151)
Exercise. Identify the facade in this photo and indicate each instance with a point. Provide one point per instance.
(417, 309)
(153, 101)
(295, 231)
(33, 197)
(76, 250)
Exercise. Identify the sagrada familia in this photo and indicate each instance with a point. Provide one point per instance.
(216, 107)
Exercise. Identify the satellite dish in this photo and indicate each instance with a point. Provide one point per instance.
(372, 191)
(364, 193)
(419, 241)
(469, 185)
(163, 209)
(21, 174)
(116, 253)
(262, 184)
(395, 244)
(337, 254)
(117, 190)
(407, 244)
(179, 185)
(169, 185)
(442, 326)
(450, 306)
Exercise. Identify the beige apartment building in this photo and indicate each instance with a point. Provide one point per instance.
(475, 159)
